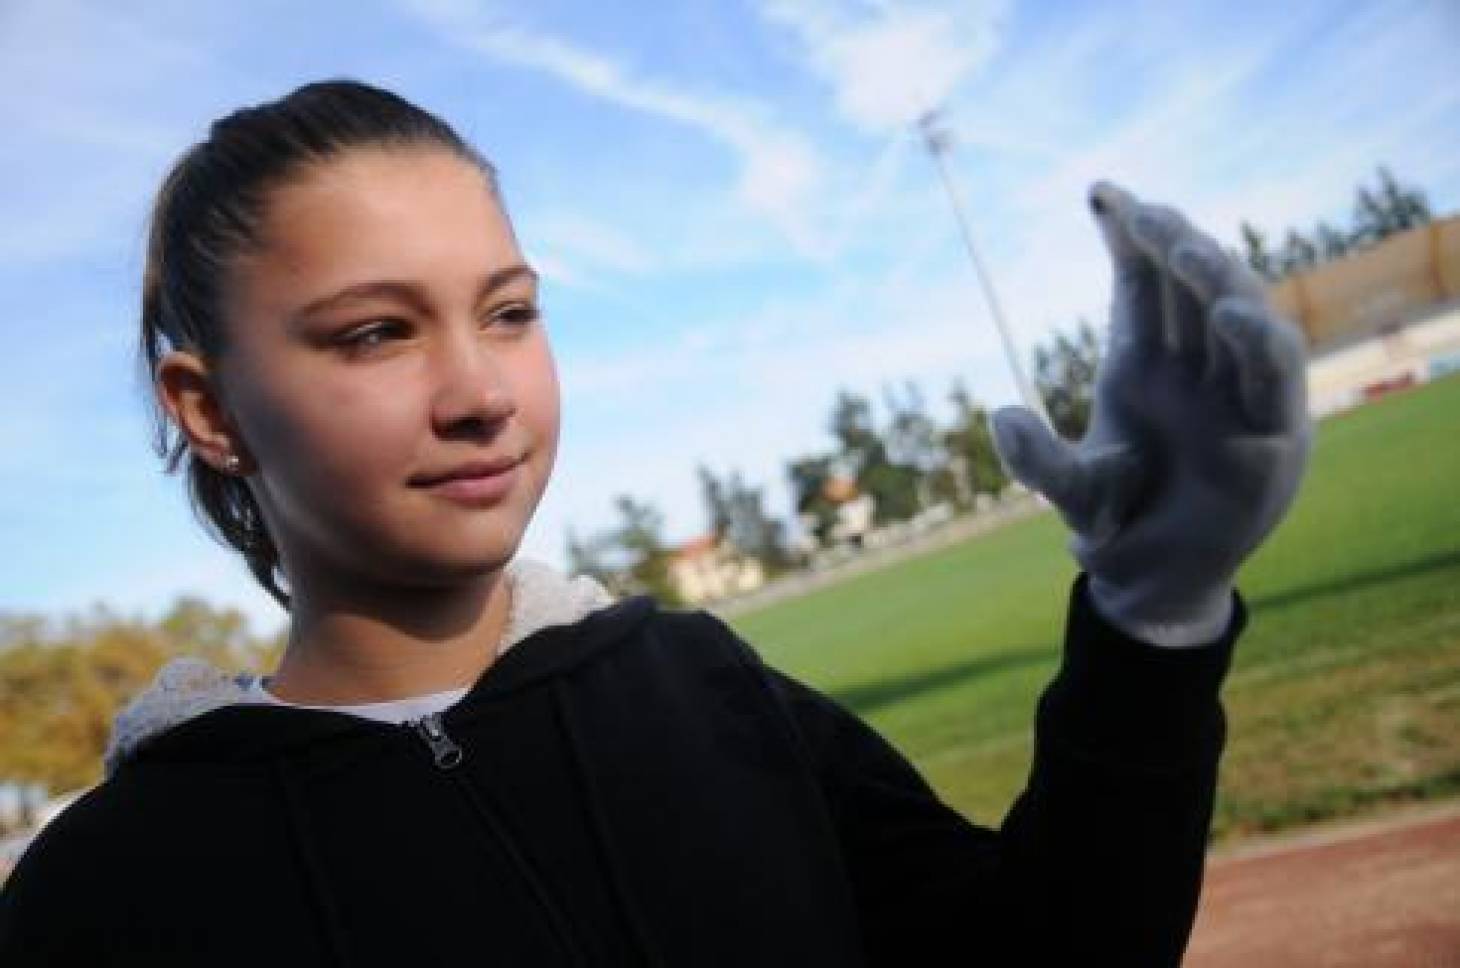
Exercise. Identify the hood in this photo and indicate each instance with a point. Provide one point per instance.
(188, 687)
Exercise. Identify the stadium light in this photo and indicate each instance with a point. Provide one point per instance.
(939, 143)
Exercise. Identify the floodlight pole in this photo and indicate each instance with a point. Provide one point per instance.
(939, 143)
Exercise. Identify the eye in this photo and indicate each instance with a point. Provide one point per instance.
(517, 315)
(369, 337)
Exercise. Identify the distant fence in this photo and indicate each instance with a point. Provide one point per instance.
(1376, 290)
(1018, 503)
(1407, 355)
(1381, 319)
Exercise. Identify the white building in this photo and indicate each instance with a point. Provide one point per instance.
(704, 569)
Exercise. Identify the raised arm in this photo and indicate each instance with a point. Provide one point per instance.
(1098, 861)
(1198, 441)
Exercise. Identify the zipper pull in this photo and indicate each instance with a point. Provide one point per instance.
(443, 747)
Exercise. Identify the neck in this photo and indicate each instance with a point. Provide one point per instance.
(391, 643)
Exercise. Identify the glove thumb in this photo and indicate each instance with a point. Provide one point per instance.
(1093, 490)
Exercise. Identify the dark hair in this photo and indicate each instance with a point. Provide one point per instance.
(207, 211)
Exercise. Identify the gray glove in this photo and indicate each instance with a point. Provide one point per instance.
(1198, 438)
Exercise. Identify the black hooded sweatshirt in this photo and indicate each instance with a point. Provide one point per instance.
(638, 788)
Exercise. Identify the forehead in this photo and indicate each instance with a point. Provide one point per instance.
(377, 213)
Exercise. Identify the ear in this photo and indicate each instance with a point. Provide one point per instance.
(186, 390)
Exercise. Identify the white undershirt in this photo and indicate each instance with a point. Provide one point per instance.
(390, 711)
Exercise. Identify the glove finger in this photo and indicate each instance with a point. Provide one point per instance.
(1032, 454)
(1160, 230)
(1208, 273)
(1110, 483)
(1137, 283)
(1212, 272)
(1266, 471)
(1202, 267)
(1268, 357)
(1221, 367)
(1094, 492)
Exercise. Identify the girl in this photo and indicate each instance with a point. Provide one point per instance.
(463, 754)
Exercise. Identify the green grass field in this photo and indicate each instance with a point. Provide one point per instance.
(1345, 693)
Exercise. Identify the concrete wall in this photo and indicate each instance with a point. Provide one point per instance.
(1371, 292)
(1415, 353)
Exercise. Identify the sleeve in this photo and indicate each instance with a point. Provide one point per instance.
(1099, 859)
(53, 908)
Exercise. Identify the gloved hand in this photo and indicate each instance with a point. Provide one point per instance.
(1198, 436)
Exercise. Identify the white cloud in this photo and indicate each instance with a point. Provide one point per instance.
(552, 268)
(566, 239)
(70, 77)
(779, 167)
(887, 64)
(884, 65)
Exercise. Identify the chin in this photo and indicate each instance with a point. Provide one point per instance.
(442, 575)
(475, 559)
(460, 545)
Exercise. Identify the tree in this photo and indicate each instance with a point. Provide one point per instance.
(193, 626)
(1406, 207)
(737, 514)
(1064, 375)
(893, 486)
(640, 537)
(630, 558)
(1371, 222)
(1299, 253)
(808, 477)
(1378, 213)
(751, 530)
(594, 557)
(1254, 245)
(971, 441)
(717, 507)
(914, 441)
(1333, 243)
(1388, 209)
(851, 424)
(894, 490)
(61, 687)
(912, 435)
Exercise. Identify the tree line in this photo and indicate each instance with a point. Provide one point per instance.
(906, 461)
(63, 682)
(1389, 207)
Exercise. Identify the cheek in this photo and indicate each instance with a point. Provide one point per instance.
(325, 434)
(538, 396)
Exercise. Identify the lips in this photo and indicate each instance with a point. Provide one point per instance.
(467, 471)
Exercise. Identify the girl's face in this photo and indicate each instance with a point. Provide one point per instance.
(386, 330)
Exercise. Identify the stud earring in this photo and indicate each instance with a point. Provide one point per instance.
(231, 462)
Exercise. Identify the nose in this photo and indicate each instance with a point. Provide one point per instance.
(474, 394)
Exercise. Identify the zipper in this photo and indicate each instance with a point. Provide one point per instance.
(444, 749)
(448, 754)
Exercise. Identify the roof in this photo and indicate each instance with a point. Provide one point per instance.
(697, 547)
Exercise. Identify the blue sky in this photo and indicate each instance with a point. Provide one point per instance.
(725, 198)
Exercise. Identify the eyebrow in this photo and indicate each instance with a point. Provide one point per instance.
(412, 292)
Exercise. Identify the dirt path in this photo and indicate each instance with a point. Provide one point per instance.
(1378, 894)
